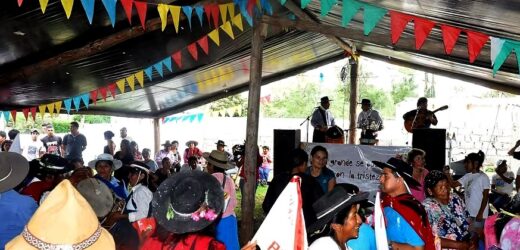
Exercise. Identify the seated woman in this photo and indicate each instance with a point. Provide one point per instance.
(318, 169)
(446, 212)
(105, 165)
(338, 219)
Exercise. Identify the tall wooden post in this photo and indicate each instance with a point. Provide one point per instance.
(156, 135)
(354, 66)
(251, 154)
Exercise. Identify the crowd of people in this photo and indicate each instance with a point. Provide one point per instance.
(131, 199)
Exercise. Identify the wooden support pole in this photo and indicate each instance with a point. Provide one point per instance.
(354, 66)
(251, 153)
(156, 135)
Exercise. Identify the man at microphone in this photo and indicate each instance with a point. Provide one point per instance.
(421, 117)
(321, 120)
(369, 122)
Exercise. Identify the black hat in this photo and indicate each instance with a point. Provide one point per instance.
(402, 168)
(167, 143)
(54, 164)
(139, 165)
(365, 101)
(13, 170)
(108, 135)
(221, 143)
(325, 99)
(332, 203)
(188, 202)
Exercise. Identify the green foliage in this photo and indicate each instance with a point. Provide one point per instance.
(403, 89)
(91, 119)
(297, 102)
(234, 105)
(61, 125)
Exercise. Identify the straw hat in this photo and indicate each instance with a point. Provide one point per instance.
(13, 170)
(65, 220)
(116, 164)
(218, 159)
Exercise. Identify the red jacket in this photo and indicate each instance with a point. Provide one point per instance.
(190, 242)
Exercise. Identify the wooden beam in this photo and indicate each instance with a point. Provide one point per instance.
(251, 153)
(349, 47)
(156, 135)
(354, 66)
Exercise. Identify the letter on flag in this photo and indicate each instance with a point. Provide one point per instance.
(284, 226)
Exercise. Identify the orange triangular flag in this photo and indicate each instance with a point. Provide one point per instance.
(176, 14)
(223, 12)
(121, 85)
(50, 107)
(131, 81)
(140, 78)
(215, 37)
(237, 21)
(67, 6)
(228, 29)
(163, 14)
(43, 5)
(231, 9)
(57, 107)
(42, 110)
(13, 115)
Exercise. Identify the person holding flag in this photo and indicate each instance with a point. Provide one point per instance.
(407, 225)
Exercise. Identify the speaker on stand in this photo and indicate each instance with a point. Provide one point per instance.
(433, 142)
(284, 142)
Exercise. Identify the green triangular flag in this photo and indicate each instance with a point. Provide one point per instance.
(283, 2)
(304, 3)
(507, 47)
(326, 6)
(350, 8)
(371, 17)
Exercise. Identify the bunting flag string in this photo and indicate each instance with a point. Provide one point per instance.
(450, 35)
(127, 6)
(110, 6)
(13, 115)
(26, 113)
(88, 6)
(33, 113)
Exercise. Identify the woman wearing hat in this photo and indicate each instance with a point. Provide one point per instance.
(227, 231)
(105, 165)
(163, 153)
(192, 150)
(338, 219)
(446, 212)
(416, 160)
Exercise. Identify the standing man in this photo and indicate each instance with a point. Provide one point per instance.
(407, 224)
(321, 120)
(221, 145)
(74, 143)
(124, 135)
(420, 117)
(369, 122)
(35, 148)
(52, 142)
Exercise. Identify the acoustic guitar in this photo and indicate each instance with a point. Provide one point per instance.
(420, 119)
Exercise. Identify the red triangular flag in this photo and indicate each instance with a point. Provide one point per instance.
(203, 43)
(13, 115)
(476, 41)
(103, 92)
(141, 8)
(192, 48)
(422, 28)
(250, 6)
(177, 58)
(112, 89)
(450, 35)
(33, 113)
(25, 113)
(207, 10)
(93, 95)
(20, 3)
(215, 11)
(398, 22)
(127, 6)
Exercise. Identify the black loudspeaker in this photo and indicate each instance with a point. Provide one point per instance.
(284, 142)
(433, 142)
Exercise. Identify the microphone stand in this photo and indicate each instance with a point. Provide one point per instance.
(308, 119)
(415, 118)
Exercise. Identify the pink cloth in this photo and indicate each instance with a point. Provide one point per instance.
(510, 237)
(229, 190)
(490, 238)
(419, 192)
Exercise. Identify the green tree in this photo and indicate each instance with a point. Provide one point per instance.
(293, 103)
(224, 104)
(403, 89)
(91, 119)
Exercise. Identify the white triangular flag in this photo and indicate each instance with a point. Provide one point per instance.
(379, 225)
(496, 46)
(16, 147)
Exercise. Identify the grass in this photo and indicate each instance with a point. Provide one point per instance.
(258, 212)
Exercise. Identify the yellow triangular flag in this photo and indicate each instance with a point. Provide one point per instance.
(50, 107)
(237, 21)
(228, 29)
(215, 37)
(43, 5)
(140, 78)
(121, 85)
(223, 12)
(231, 9)
(176, 14)
(57, 107)
(67, 6)
(163, 14)
(42, 110)
(131, 81)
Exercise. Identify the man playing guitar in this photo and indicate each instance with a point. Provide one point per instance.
(420, 117)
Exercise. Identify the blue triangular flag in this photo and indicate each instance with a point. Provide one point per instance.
(185, 118)
(67, 103)
(371, 17)
(246, 15)
(110, 6)
(193, 88)
(7, 115)
(192, 118)
(148, 72)
(188, 12)
(88, 6)
(200, 13)
(350, 8)
(200, 116)
(168, 63)
(266, 5)
(77, 102)
(158, 68)
(86, 99)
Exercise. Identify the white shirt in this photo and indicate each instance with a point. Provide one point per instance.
(32, 150)
(366, 117)
(139, 202)
(325, 243)
(500, 185)
(474, 185)
(317, 118)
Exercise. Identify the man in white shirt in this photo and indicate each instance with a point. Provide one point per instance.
(369, 122)
(124, 134)
(34, 149)
(501, 185)
(322, 120)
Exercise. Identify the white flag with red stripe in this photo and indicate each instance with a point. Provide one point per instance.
(284, 226)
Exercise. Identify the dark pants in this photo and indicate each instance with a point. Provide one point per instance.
(318, 136)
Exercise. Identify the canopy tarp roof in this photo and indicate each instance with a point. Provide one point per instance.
(47, 58)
